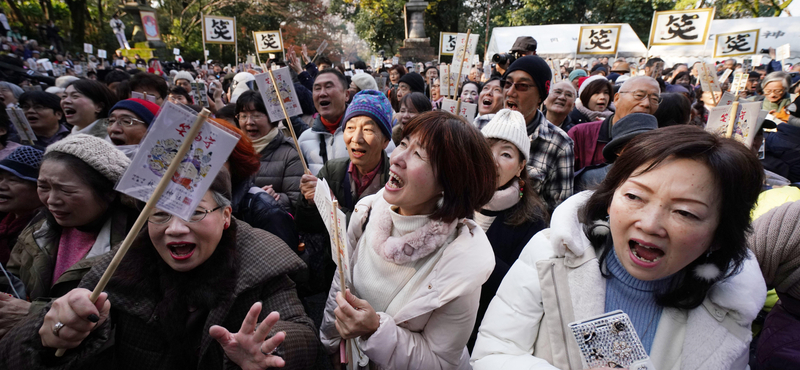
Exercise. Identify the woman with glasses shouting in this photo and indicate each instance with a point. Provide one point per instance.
(209, 292)
(128, 121)
(281, 168)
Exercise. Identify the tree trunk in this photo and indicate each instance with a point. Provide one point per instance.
(77, 9)
(17, 13)
(49, 5)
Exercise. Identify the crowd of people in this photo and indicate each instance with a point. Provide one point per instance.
(471, 244)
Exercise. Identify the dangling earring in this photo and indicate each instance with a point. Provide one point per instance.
(707, 271)
(521, 187)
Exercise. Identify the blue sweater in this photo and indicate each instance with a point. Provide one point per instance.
(634, 297)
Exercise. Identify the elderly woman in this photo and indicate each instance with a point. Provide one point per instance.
(9, 93)
(416, 262)
(594, 98)
(81, 219)
(671, 254)
(775, 86)
(182, 284)
(86, 106)
(281, 168)
(516, 212)
(18, 197)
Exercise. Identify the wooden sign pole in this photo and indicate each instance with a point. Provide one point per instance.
(461, 66)
(289, 123)
(342, 278)
(148, 208)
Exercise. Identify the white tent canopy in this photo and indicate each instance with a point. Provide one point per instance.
(560, 40)
(775, 31)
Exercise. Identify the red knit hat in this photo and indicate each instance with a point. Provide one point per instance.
(146, 110)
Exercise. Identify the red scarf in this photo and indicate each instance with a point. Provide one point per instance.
(10, 227)
(331, 126)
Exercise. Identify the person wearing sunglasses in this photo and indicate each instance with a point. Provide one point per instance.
(128, 121)
(208, 292)
(526, 85)
(640, 94)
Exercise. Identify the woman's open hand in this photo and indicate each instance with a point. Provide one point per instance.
(250, 348)
(355, 317)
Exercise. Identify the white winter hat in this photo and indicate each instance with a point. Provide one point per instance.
(589, 80)
(183, 75)
(509, 125)
(364, 81)
(243, 81)
(94, 151)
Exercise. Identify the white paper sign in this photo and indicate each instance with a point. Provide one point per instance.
(219, 30)
(287, 94)
(708, 78)
(101, 53)
(137, 95)
(324, 203)
(209, 152)
(444, 80)
(447, 43)
(467, 110)
(269, 41)
(725, 75)
(734, 44)
(22, 125)
(322, 47)
(395, 60)
(747, 123)
(598, 39)
(176, 51)
(681, 27)
(87, 48)
(782, 52)
(718, 119)
(726, 99)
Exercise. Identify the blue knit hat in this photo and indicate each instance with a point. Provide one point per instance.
(576, 74)
(373, 104)
(23, 162)
(144, 109)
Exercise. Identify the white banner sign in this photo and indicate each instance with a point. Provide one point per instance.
(324, 203)
(467, 110)
(219, 30)
(101, 53)
(736, 44)
(601, 39)
(447, 43)
(287, 94)
(209, 151)
(269, 41)
(87, 48)
(681, 27)
(782, 52)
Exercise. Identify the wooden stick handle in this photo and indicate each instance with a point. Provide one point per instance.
(461, 65)
(732, 122)
(148, 208)
(342, 280)
(289, 123)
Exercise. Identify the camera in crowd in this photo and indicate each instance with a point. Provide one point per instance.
(504, 58)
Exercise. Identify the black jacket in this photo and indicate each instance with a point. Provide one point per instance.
(261, 211)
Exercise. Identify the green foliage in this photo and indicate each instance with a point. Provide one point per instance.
(378, 22)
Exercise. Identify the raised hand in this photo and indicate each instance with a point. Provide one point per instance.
(308, 186)
(72, 318)
(250, 348)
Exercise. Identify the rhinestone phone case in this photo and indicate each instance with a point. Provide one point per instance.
(609, 340)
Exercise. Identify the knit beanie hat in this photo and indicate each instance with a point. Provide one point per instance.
(94, 151)
(776, 243)
(414, 81)
(23, 162)
(537, 68)
(576, 73)
(144, 109)
(364, 81)
(589, 80)
(183, 75)
(509, 125)
(626, 129)
(373, 104)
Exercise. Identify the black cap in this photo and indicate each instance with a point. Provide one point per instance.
(414, 81)
(626, 129)
(524, 44)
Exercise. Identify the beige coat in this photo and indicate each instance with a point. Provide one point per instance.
(557, 280)
(430, 332)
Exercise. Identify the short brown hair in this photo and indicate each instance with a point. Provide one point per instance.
(462, 162)
(738, 177)
(595, 87)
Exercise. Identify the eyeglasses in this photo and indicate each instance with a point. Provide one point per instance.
(250, 117)
(36, 107)
(126, 121)
(567, 94)
(641, 94)
(776, 92)
(161, 217)
(521, 87)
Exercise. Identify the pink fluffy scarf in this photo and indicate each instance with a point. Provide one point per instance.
(409, 247)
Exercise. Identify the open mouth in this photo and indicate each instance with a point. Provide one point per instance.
(358, 153)
(253, 133)
(117, 141)
(32, 118)
(644, 253)
(69, 111)
(395, 182)
(4, 198)
(512, 105)
(324, 103)
(486, 102)
(601, 106)
(181, 251)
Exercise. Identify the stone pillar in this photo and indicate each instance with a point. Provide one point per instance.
(417, 47)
